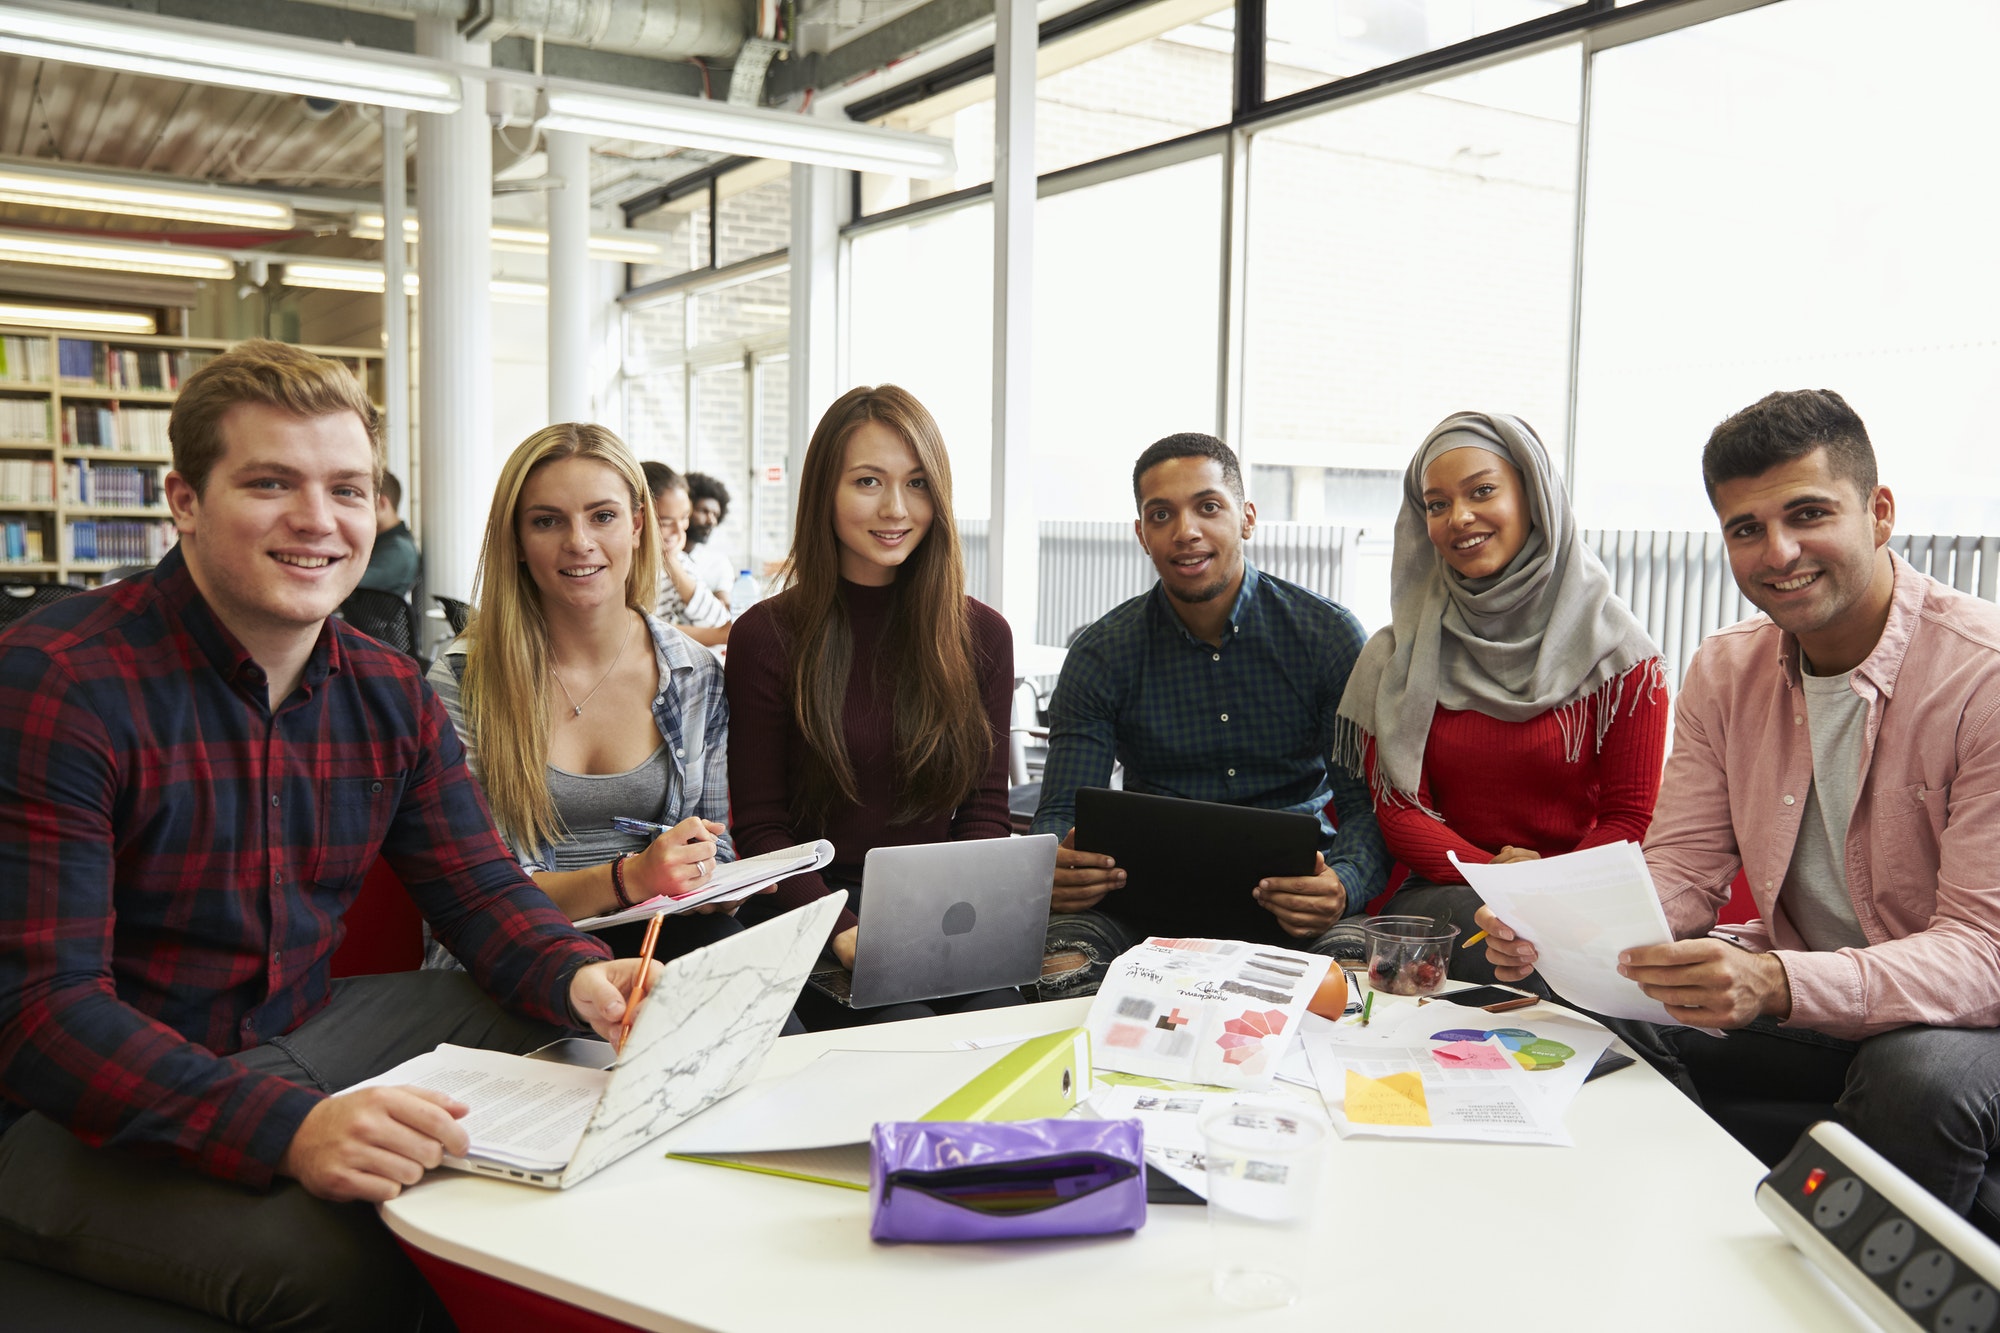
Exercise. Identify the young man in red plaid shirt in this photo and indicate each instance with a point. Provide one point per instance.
(197, 768)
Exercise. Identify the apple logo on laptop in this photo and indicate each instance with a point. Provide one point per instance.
(958, 919)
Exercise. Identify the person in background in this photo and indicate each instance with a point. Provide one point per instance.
(711, 507)
(1514, 707)
(1843, 751)
(395, 565)
(1155, 683)
(685, 602)
(870, 698)
(198, 767)
(576, 706)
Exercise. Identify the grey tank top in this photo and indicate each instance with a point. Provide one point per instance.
(588, 801)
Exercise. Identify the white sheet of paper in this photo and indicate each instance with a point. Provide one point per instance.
(1579, 910)
(1220, 1012)
(1479, 1106)
(837, 1099)
(735, 880)
(525, 1113)
(1557, 1087)
(1172, 1124)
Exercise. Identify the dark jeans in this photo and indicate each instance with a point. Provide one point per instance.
(1928, 1099)
(268, 1259)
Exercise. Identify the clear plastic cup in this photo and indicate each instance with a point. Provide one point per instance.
(1263, 1158)
(1409, 955)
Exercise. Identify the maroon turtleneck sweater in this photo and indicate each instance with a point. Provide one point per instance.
(766, 751)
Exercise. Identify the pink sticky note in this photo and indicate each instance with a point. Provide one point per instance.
(1471, 1055)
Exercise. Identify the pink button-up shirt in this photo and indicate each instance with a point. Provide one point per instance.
(1923, 848)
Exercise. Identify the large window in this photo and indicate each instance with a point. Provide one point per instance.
(1311, 42)
(1140, 78)
(1409, 257)
(1126, 326)
(920, 314)
(1799, 196)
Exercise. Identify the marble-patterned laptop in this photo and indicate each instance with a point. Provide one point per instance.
(700, 1035)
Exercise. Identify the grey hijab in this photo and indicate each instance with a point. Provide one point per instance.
(1544, 634)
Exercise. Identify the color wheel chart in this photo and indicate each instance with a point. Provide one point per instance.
(1533, 1053)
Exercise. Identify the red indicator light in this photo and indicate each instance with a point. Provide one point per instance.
(1814, 1179)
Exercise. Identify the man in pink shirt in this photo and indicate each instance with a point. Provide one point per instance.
(1842, 750)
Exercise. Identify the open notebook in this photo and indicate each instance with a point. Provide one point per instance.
(733, 880)
(700, 1034)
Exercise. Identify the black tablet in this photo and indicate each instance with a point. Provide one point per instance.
(1190, 865)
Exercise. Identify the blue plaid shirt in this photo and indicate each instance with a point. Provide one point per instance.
(1248, 723)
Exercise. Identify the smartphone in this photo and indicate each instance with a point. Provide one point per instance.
(1493, 999)
(584, 1052)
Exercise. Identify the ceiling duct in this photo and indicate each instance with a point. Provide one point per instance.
(665, 29)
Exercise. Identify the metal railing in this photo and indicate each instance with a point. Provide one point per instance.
(1677, 583)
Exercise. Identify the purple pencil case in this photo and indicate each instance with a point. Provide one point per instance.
(941, 1180)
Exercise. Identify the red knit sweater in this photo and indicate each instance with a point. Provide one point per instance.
(766, 749)
(1503, 784)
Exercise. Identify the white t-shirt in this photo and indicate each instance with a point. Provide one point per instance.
(712, 567)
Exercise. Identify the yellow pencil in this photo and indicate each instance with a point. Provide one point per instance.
(1473, 940)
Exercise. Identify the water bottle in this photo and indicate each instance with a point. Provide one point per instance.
(743, 593)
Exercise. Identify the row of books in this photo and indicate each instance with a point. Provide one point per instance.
(127, 540)
(108, 367)
(132, 430)
(24, 360)
(24, 418)
(27, 480)
(108, 484)
(20, 542)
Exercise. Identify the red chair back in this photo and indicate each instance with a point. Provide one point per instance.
(385, 932)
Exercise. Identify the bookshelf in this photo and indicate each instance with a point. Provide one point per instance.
(83, 446)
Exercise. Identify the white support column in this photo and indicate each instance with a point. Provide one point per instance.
(455, 263)
(1013, 538)
(814, 380)
(396, 305)
(569, 277)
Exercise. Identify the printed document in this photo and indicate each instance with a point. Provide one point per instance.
(1579, 910)
(525, 1113)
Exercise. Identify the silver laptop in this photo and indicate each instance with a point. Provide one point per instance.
(700, 1035)
(947, 918)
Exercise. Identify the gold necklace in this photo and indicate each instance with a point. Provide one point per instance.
(576, 709)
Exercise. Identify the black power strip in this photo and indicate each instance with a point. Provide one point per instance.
(1904, 1258)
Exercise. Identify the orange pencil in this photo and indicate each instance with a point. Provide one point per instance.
(639, 986)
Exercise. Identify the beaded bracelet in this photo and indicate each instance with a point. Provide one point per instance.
(618, 881)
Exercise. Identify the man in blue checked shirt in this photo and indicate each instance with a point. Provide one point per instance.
(1219, 684)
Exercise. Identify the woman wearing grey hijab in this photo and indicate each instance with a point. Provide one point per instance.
(1513, 707)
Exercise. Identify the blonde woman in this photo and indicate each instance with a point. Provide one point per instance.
(558, 674)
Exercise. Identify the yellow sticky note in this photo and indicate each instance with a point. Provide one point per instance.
(1395, 1100)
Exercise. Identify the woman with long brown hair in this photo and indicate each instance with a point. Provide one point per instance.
(575, 705)
(869, 700)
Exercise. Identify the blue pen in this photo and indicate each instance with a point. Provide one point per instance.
(644, 828)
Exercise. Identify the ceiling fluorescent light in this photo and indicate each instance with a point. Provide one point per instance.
(129, 257)
(231, 57)
(691, 122)
(62, 317)
(337, 276)
(111, 194)
(613, 247)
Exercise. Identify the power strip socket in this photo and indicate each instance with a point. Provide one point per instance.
(1907, 1260)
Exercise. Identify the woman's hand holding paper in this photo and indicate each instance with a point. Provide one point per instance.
(1512, 957)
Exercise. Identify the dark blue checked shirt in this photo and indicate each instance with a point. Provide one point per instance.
(1249, 723)
(176, 858)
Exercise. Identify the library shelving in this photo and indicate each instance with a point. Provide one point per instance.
(83, 446)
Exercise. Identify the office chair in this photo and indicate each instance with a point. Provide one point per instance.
(384, 616)
(456, 613)
(18, 599)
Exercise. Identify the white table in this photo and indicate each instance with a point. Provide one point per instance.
(1647, 1223)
